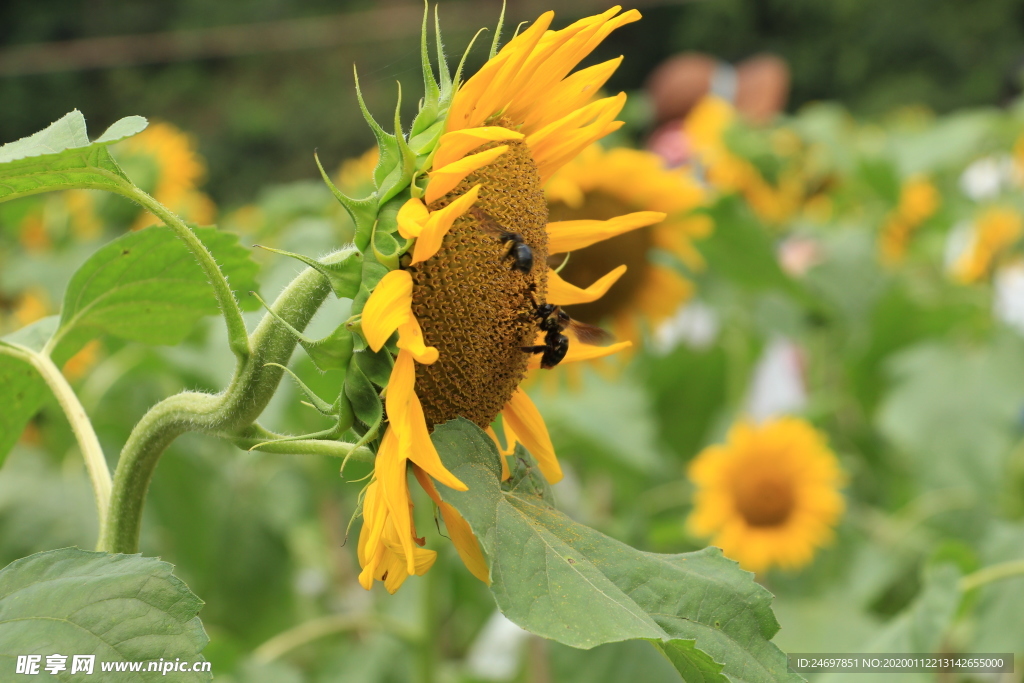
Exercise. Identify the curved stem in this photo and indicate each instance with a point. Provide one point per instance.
(330, 625)
(251, 388)
(95, 463)
(995, 572)
(237, 335)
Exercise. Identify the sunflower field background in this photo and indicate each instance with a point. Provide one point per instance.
(826, 377)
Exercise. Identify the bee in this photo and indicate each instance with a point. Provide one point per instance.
(522, 255)
(554, 321)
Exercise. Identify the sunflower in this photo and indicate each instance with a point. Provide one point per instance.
(769, 496)
(705, 129)
(599, 184)
(996, 229)
(479, 152)
(919, 200)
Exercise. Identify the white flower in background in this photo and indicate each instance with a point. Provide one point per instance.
(987, 177)
(497, 651)
(1008, 301)
(694, 324)
(777, 386)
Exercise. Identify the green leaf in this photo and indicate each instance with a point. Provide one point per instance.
(921, 627)
(741, 249)
(146, 286)
(23, 394)
(955, 411)
(567, 582)
(118, 607)
(22, 389)
(61, 156)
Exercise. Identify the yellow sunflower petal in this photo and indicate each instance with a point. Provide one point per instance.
(554, 134)
(370, 545)
(571, 94)
(412, 217)
(389, 305)
(405, 412)
(390, 470)
(505, 474)
(562, 293)
(566, 236)
(476, 99)
(531, 431)
(455, 145)
(410, 338)
(571, 45)
(458, 529)
(465, 542)
(445, 179)
(440, 223)
(554, 153)
(579, 351)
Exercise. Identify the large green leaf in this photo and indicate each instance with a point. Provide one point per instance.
(567, 582)
(146, 286)
(117, 607)
(61, 156)
(955, 411)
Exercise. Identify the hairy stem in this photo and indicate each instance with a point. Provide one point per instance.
(237, 335)
(95, 463)
(250, 390)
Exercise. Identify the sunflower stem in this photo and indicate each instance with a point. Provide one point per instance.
(255, 380)
(237, 335)
(995, 572)
(85, 435)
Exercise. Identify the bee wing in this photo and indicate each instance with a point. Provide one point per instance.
(591, 334)
(488, 224)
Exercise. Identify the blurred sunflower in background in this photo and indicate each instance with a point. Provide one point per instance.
(769, 496)
(996, 229)
(165, 162)
(463, 308)
(600, 184)
(918, 201)
(707, 129)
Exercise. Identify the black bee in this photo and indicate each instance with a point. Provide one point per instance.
(553, 321)
(522, 255)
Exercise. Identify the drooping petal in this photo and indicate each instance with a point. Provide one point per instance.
(389, 305)
(505, 474)
(444, 179)
(412, 217)
(390, 470)
(370, 544)
(455, 145)
(440, 223)
(562, 293)
(458, 529)
(531, 431)
(406, 415)
(410, 338)
(566, 236)
(465, 542)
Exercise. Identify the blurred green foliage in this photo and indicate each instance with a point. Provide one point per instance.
(259, 117)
